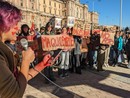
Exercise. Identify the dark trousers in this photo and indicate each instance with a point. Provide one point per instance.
(115, 60)
(48, 72)
(128, 57)
(90, 58)
(100, 58)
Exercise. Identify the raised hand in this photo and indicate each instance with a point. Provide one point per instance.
(28, 55)
(47, 60)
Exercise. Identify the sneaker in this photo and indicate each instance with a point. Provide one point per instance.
(128, 66)
(95, 66)
(66, 75)
(62, 76)
(105, 65)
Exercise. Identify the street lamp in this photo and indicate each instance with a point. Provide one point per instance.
(120, 14)
(92, 24)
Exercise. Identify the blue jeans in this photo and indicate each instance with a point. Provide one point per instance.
(92, 57)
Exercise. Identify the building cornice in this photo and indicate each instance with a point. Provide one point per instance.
(60, 1)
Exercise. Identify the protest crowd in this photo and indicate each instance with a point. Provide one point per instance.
(67, 49)
(91, 51)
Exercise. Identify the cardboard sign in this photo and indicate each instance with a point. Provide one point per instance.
(57, 23)
(98, 31)
(86, 33)
(84, 47)
(70, 21)
(54, 42)
(107, 38)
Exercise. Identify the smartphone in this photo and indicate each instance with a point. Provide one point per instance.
(56, 55)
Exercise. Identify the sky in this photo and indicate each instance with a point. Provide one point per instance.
(109, 11)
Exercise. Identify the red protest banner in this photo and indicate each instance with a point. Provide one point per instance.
(32, 27)
(80, 32)
(86, 33)
(107, 38)
(53, 42)
(98, 31)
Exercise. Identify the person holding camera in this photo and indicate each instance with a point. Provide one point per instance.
(13, 81)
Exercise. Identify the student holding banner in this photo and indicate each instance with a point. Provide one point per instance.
(107, 51)
(42, 30)
(93, 47)
(13, 81)
(64, 66)
(48, 70)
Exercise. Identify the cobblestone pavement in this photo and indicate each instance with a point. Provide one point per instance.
(112, 83)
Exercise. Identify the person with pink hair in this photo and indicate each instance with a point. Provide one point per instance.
(13, 81)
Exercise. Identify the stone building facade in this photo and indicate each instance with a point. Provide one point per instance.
(40, 11)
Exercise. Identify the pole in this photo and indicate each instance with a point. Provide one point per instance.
(120, 15)
(93, 6)
(92, 18)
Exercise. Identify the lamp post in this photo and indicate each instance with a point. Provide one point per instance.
(120, 14)
(92, 24)
(93, 5)
(93, 13)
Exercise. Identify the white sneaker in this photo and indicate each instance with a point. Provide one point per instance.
(105, 65)
(95, 66)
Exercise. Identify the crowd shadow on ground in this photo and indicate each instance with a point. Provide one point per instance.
(39, 83)
(87, 78)
(30, 96)
(118, 73)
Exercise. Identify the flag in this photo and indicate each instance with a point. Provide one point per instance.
(32, 27)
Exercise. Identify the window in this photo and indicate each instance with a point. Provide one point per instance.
(32, 5)
(77, 11)
(31, 0)
(59, 12)
(54, 4)
(59, 6)
(50, 3)
(55, 12)
(65, 13)
(21, 3)
(65, 5)
(81, 13)
(50, 10)
(44, 9)
(44, 2)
